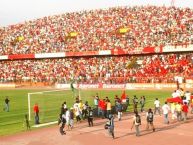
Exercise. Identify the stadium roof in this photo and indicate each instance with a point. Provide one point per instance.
(16, 11)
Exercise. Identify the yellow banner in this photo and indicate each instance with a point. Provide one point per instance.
(73, 34)
(123, 30)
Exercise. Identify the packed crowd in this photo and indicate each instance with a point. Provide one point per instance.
(100, 30)
(119, 69)
(81, 111)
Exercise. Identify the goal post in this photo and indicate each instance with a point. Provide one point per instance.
(49, 102)
(29, 103)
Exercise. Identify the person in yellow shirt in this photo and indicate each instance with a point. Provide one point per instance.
(179, 111)
(80, 106)
(173, 110)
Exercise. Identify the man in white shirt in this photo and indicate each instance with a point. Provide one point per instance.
(178, 93)
(175, 94)
(166, 110)
(157, 106)
(67, 115)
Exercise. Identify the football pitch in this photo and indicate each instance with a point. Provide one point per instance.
(12, 122)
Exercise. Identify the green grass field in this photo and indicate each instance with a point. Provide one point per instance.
(50, 103)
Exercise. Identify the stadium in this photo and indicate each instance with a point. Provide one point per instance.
(106, 65)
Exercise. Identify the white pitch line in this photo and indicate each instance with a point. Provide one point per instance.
(45, 124)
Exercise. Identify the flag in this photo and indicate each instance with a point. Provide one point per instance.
(123, 96)
(123, 30)
(131, 63)
(73, 34)
(20, 38)
(72, 87)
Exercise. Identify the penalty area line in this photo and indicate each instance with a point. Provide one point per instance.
(45, 124)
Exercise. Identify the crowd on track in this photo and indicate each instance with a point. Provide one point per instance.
(105, 108)
(128, 28)
(110, 70)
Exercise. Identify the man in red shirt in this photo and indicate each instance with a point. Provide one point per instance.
(103, 108)
(36, 113)
(185, 111)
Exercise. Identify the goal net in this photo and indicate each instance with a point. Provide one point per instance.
(49, 103)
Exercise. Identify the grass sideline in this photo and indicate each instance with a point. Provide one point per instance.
(12, 122)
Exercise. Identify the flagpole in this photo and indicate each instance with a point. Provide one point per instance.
(124, 74)
(177, 84)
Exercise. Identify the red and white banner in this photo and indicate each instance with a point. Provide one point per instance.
(189, 86)
(77, 86)
(88, 86)
(162, 86)
(123, 52)
(4, 57)
(63, 86)
(152, 50)
(7, 85)
(128, 86)
(139, 86)
(88, 53)
(105, 52)
(50, 55)
(189, 80)
(145, 50)
(178, 48)
(113, 86)
(21, 56)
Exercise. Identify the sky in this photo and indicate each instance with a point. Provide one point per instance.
(18, 11)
